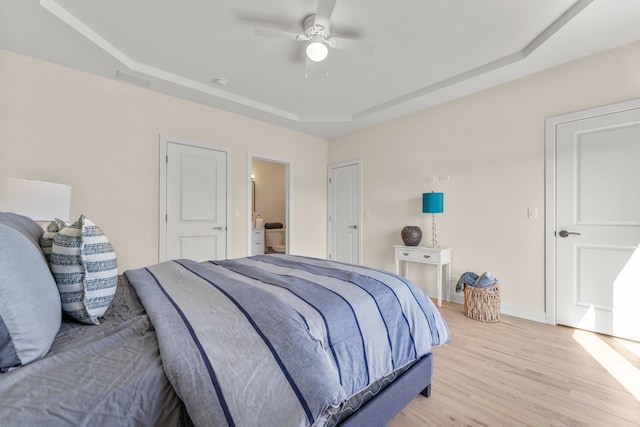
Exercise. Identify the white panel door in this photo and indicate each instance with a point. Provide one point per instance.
(344, 213)
(196, 202)
(598, 224)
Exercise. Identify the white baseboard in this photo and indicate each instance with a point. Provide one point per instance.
(506, 309)
(522, 313)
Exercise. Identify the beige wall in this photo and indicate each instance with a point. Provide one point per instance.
(102, 137)
(492, 146)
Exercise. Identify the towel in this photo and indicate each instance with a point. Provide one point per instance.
(469, 278)
(486, 279)
(273, 225)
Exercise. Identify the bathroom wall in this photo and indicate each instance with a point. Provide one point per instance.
(270, 182)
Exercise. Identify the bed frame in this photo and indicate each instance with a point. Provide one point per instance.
(390, 401)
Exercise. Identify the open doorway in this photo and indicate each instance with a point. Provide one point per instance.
(268, 202)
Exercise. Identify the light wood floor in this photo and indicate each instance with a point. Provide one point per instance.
(522, 373)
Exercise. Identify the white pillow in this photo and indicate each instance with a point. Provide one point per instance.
(85, 269)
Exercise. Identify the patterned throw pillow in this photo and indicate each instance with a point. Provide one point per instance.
(47, 237)
(85, 269)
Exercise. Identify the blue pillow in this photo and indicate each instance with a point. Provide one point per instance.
(30, 309)
(24, 225)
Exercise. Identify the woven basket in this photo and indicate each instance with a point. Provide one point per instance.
(482, 304)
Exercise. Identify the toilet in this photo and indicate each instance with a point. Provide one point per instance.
(275, 238)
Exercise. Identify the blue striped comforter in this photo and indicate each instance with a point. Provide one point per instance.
(280, 340)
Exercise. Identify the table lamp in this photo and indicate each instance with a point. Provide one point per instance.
(38, 200)
(433, 203)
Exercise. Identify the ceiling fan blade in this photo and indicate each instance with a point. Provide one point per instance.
(268, 32)
(353, 45)
(324, 12)
(262, 20)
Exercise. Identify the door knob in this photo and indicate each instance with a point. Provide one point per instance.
(217, 228)
(565, 233)
(352, 226)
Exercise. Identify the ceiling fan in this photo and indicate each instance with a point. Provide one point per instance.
(317, 36)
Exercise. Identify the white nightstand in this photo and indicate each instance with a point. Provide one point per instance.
(440, 257)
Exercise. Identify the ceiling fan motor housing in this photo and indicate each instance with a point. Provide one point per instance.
(311, 28)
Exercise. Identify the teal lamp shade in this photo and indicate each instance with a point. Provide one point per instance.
(432, 202)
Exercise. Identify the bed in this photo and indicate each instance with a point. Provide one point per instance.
(268, 340)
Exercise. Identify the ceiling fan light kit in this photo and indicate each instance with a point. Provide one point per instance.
(317, 35)
(317, 51)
